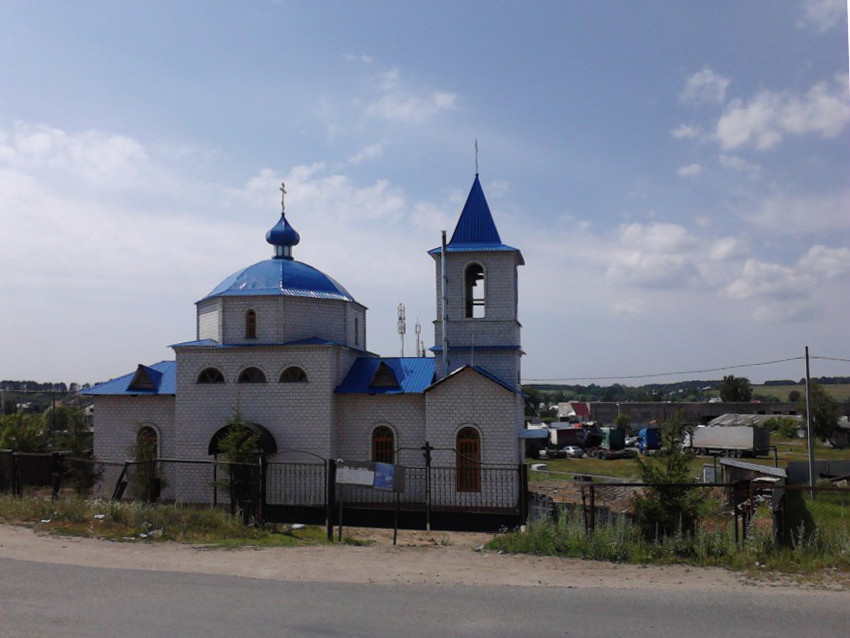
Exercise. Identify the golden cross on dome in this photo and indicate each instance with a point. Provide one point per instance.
(282, 197)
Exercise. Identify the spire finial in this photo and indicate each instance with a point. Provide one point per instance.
(283, 197)
(476, 156)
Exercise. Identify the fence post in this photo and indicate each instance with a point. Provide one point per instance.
(523, 493)
(426, 450)
(56, 475)
(330, 496)
(592, 508)
(17, 487)
(261, 504)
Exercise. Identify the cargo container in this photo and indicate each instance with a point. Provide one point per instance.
(613, 439)
(649, 439)
(733, 440)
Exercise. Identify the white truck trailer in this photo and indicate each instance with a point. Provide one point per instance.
(730, 440)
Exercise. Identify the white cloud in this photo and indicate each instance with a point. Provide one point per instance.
(634, 306)
(362, 58)
(704, 87)
(691, 170)
(400, 103)
(823, 15)
(656, 237)
(369, 152)
(96, 157)
(685, 132)
(780, 293)
(782, 214)
(653, 256)
(727, 248)
(829, 262)
(735, 163)
(769, 117)
(761, 279)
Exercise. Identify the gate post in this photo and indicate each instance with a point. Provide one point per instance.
(523, 493)
(426, 451)
(330, 496)
(261, 500)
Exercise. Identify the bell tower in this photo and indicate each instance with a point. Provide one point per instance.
(477, 296)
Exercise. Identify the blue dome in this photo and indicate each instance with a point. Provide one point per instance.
(281, 277)
(283, 234)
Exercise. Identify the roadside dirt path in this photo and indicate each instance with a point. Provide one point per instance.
(419, 558)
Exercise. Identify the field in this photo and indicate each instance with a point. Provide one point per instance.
(839, 391)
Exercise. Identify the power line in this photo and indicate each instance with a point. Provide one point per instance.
(830, 359)
(681, 372)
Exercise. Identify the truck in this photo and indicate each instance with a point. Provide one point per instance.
(730, 440)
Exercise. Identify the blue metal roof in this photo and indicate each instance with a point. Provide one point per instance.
(212, 343)
(283, 234)
(476, 225)
(162, 375)
(281, 277)
(476, 230)
(484, 373)
(414, 375)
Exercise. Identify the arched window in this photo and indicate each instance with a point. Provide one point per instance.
(146, 481)
(383, 445)
(293, 374)
(147, 441)
(251, 375)
(210, 375)
(474, 291)
(251, 324)
(468, 454)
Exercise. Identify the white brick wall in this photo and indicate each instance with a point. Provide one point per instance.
(117, 420)
(359, 415)
(499, 326)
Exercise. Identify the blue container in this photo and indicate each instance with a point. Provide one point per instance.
(649, 439)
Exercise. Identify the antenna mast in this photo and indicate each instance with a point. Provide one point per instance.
(420, 347)
(402, 326)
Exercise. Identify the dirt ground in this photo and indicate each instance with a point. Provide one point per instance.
(419, 558)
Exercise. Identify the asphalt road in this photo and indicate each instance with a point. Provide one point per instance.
(40, 600)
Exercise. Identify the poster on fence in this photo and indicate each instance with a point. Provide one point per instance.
(380, 476)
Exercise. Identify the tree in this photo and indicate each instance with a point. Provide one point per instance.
(23, 433)
(735, 389)
(240, 448)
(825, 415)
(794, 396)
(667, 505)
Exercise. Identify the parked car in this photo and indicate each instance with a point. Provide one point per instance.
(572, 451)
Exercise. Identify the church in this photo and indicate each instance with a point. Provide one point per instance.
(284, 345)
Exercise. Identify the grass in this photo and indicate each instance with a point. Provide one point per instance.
(812, 553)
(788, 450)
(148, 523)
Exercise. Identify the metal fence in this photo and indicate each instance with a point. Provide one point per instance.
(297, 491)
(787, 516)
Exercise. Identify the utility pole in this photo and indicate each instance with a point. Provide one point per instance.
(810, 435)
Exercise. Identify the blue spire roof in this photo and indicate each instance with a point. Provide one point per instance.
(476, 225)
(476, 230)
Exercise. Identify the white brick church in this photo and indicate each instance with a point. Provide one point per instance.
(284, 344)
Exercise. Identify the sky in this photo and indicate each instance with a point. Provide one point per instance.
(674, 172)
